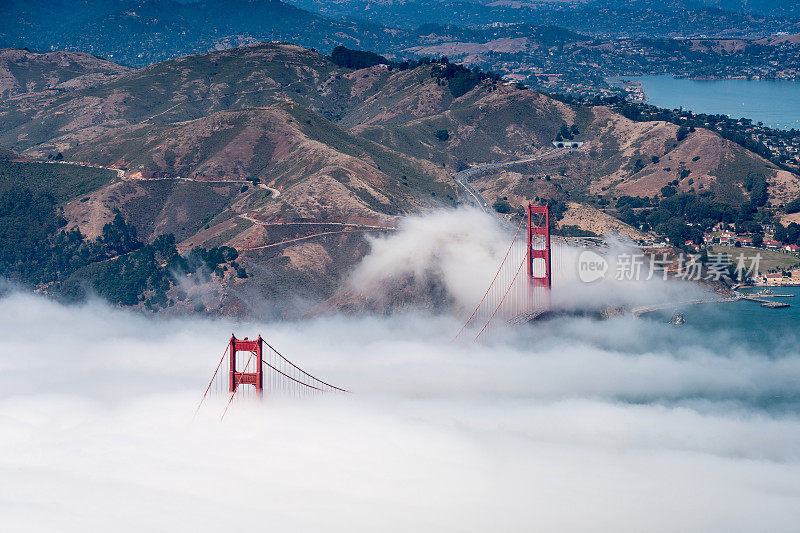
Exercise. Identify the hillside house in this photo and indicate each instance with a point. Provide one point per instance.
(793, 248)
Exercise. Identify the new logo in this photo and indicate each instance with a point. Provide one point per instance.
(591, 266)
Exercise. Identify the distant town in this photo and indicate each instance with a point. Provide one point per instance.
(773, 261)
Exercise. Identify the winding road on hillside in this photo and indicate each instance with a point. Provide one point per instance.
(254, 220)
(463, 177)
(275, 192)
(348, 228)
(296, 239)
(120, 172)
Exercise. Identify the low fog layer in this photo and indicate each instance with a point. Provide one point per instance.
(571, 424)
(460, 250)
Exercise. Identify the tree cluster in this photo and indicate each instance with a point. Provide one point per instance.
(683, 217)
(37, 250)
(459, 79)
(567, 132)
(789, 234)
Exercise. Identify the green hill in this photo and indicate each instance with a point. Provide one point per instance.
(63, 181)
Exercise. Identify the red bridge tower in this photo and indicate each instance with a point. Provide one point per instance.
(255, 378)
(539, 256)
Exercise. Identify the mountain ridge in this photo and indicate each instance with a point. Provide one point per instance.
(277, 152)
(22, 71)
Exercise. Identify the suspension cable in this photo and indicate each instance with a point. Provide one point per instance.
(493, 279)
(235, 388)
(219, 365)
(524, 258)
(300, 369)
(295, 380)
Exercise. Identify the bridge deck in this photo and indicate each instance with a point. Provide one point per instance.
(526, 317)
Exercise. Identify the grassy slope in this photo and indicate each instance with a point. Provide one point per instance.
(411, 173)
(770, 259)
(26, 71)
(384, 142)
(63, 181)
(703, 161)
(283, 144)
(251, 76)
(491, 122)
(180, 208)
(225, 115)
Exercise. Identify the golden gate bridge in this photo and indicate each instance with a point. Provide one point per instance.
(521, 289)
(518, 293)
(255, 367)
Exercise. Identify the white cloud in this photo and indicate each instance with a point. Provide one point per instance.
(460, 250)
(567, 425)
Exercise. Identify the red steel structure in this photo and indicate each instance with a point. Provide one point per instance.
(539, 245)
(266, 369)
(235, 377)
(515, 297)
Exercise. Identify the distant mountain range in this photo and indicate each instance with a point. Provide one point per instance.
(142, 32)
(264, 144)
(596, 18)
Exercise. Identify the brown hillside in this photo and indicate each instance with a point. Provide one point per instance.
(400, 110)
(182, 89)
(490, 123)
(339, 153)
(702, 161)
(320, 170)
(607, 165)
(588, 218)
(23, 72)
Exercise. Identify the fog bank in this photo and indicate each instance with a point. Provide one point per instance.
(461, 249)
(567, 425)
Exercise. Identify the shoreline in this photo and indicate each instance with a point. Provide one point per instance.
(734, 294)
(741, 98)
(620, 79)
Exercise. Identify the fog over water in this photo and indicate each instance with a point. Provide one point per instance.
(570, 424)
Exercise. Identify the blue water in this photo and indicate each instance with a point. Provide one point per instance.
(739, 330)
(748, 325)
(776, 103)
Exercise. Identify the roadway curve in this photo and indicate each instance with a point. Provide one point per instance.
(296, 239)
(463, 177)
(347, 228)
(273, 191)
(365, 227)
